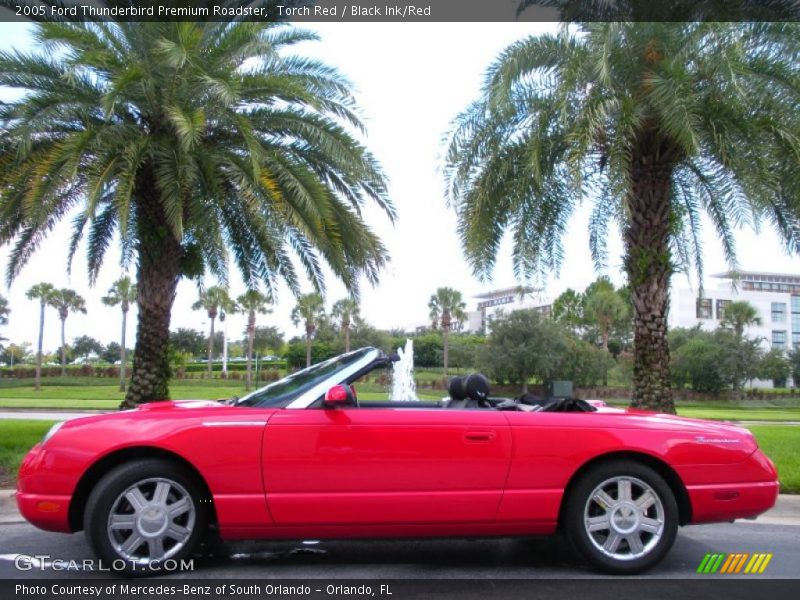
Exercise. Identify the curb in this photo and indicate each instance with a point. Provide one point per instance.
(8, 507)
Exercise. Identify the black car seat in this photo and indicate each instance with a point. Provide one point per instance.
(477, 390)
(458, 393)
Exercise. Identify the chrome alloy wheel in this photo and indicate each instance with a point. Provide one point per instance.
(624, 518)
(151, 520)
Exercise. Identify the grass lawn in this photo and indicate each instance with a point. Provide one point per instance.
(741, 413)
(16, 438)
(781, 444)
(101, 394)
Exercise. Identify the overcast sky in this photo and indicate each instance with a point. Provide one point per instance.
(410, 81)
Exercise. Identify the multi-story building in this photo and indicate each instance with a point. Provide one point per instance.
(507, 300)
(776, 296)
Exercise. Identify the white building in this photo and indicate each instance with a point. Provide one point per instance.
(776, 296)
(506, 300)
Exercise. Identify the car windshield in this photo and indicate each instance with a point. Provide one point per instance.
(281, 393)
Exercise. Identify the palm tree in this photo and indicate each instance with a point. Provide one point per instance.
(212, 300)
(4, 310)
(42, 292)
(189, 141)
(653, 123)
(252, 302)
(309, 309)
(66, 301)
(446, 311)
(738, 315)
(346, 311)
(121, 292)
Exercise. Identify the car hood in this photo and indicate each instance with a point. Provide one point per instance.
(172, 404)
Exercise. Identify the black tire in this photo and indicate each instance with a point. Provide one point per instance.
(624, 560)
(107, 496)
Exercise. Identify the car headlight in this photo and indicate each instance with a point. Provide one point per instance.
(52, 431)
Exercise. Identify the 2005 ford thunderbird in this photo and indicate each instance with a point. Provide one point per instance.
(302, 458)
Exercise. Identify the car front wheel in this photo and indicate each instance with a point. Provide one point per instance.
(622, 517)
(144, 516)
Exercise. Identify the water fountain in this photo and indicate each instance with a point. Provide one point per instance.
(403, 386)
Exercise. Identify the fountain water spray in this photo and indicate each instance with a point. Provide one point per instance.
(403, 386)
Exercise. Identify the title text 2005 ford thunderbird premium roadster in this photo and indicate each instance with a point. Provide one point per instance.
(302, 458)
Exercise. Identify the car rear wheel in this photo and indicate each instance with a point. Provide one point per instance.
(622, 517)
(145, 516)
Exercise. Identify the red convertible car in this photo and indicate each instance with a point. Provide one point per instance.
(302, 458)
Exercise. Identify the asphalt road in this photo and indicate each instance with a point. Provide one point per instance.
(539, 558)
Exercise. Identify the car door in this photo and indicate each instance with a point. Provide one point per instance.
(385, 465)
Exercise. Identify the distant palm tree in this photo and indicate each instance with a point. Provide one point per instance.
(66, 301)
(738, 316)
(446, 312)
(121, 292)
(187, 142)
(4, 310)
(42, 292)
(252, 302)
(212, 300)
(346, 311)
(308, 311)
(653, 123)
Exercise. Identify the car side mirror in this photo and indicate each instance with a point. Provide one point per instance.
(339, 396)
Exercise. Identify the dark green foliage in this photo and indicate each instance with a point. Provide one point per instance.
(583, 363)
(188, 341)
(85, 345)
(698, 362)
(794, 363)
(428, 350)
(295, 353)
(111, 353)
(267, 339)
(774, 366)
(521, 345)
(713, 361)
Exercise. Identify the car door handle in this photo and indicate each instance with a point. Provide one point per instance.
(479, 436)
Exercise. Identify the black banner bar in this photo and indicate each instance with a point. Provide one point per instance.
(416, 11)
(398, 589)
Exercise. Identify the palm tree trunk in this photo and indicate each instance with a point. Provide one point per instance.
(210, 347)
(39, 351)
(158, 272)
(122, 352)
(63, 349)
(647, 263)
(347, 338)
(446, 348)
(251, 336)
(308, 349)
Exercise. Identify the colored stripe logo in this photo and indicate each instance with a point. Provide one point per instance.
(741, 562)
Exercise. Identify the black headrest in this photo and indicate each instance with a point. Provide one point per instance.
(477, 386)
(457, 389)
